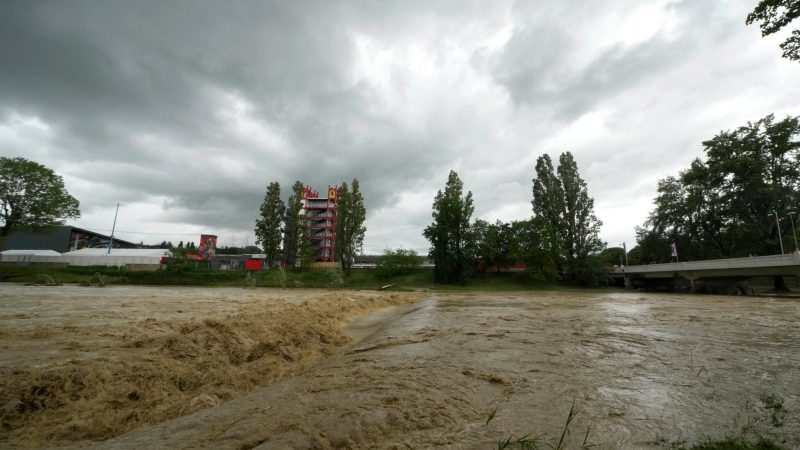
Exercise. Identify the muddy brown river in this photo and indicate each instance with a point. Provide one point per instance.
(150, 367)
(642, 369)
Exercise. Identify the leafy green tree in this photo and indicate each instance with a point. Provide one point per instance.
(612, 256)
(32, 197)
(635, 256)
(582, 227)
(268, 225)
(395, 263)
(591, 272)
(483, 241)
(494, 243)
(561, 199)
(350, 228)
(548, 193)
(530, 241)
(306, 254)
(450, 233)
(724, 206)
(774, 15)
(539, 247)
(294, 225)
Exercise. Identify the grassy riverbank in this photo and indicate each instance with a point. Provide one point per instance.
(290, 278)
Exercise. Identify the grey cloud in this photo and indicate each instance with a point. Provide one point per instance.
(142, 99)
(533, 69)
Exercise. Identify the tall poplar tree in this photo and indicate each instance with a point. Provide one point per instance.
(350, 229)
(449, 234)
(294, 225)
(268, 225)
(561, 199)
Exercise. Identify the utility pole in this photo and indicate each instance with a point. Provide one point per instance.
(794, 234)
(778, 223)
(113, 227)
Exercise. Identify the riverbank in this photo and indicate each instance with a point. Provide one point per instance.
(421, 279)
(360, 279)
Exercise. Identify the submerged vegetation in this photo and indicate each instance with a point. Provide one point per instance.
(533, 442)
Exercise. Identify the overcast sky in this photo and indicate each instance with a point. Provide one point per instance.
(185, 111)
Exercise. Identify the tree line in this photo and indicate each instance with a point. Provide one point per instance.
(282, 228)
(731, 203)
(559, 242)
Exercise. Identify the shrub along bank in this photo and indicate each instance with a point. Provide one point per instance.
(287, 278)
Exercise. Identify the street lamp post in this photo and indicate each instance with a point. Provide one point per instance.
(113, 227)
(794, 234)
(625, 251)
(778, 223)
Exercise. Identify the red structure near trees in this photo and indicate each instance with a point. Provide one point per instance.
(320, 214)
(253, 264)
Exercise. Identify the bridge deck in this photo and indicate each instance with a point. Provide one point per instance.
(752, 262)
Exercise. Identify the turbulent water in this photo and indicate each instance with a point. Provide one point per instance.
(81, 364)
(468, 371)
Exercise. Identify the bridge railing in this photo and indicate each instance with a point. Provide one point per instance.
(715, 264)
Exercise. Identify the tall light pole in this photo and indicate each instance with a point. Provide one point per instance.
(778, 223)
(113, 227)
(794, 234)
(625, 250)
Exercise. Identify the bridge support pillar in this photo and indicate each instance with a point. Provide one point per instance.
(692, 286)
(628, 283)
(780, 284)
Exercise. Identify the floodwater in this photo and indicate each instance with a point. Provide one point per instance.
(468, 371)
(80, 363)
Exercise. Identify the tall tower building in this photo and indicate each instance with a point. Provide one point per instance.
(320, 216)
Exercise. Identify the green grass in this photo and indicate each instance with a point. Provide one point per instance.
(774, 405)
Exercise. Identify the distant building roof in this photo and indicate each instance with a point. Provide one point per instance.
(30, 252)
(62, 238)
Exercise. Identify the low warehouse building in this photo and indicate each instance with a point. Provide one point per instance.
(64, 238)
(132, 259)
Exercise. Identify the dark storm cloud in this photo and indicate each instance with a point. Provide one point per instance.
(106, 73)
(194, 107)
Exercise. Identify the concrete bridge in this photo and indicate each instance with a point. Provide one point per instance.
(731, 273)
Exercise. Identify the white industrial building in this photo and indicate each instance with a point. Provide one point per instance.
(130, 258)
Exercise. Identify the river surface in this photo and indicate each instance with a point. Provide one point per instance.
(641, 369)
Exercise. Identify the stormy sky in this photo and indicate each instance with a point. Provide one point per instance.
(184, 111)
